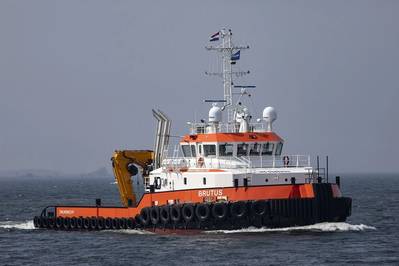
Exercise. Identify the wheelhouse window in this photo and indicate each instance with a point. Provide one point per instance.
(226, 150)
(279, 148)
(193, 153)
(242, 149)
(186, 150)
(267, 148)
(209, 150)
(255, 149)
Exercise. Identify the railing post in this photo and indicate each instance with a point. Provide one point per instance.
(297, 161)
(274, 161)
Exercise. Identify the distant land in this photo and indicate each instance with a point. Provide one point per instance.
(101, 172)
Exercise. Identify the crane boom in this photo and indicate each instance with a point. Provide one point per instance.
(124, 167)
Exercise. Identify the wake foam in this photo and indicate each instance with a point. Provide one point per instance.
(27, 225)
(320, 227)
(130, 232)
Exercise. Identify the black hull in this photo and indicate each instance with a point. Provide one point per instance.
(273, 213)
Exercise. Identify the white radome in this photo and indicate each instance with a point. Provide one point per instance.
(215, 114)
(269, 115)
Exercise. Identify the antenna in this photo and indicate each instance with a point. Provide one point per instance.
(230, 54)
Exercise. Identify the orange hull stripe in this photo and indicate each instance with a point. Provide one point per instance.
(194, 196)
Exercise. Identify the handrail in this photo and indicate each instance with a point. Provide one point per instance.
(294, 161)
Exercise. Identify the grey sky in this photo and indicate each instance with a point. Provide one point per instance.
(78, 79)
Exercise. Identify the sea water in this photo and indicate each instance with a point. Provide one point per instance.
(369, 236)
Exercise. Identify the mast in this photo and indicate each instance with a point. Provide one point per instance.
(227, 49)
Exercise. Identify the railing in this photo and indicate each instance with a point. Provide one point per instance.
(200, 128)
(284, 161)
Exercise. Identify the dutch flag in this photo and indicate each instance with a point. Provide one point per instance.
(215, 37)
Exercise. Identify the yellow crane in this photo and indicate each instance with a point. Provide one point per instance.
(124, 164)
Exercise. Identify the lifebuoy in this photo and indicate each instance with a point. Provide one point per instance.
(164, 214)
(238, 209)
(286, 160)
(175, 213)
(154, 215)
(200, 162)
(202, 212)
(219, 211)
(188, 212)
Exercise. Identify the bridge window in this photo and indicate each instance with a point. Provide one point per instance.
(279, 148)
(242, 149)
(209, 150)
(267, 148)
(193, 151)
(255, 149)
(226, 150)
(186, 150)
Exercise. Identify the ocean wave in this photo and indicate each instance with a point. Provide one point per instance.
(320, 227)
(21, 225)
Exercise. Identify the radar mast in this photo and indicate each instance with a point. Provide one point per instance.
(230, 54)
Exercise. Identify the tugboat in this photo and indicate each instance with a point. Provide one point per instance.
(225, 174)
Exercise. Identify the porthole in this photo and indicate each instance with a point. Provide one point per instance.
(267, 180)
(286, 180)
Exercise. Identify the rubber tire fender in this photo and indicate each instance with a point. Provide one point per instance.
(219, 210)
(164, 214)
(50, 223)
(145, 216)
(66, 223)
(259, 208)
(100, 223)
(79, 223)
(43, 222)
(74, 223)
(131, 223)
(187, 212)
(154, 215)
(59, 222)
(93, 223)
(115, 224)
(175, 213)
(108, 223)
(123, 223)
(202, 212)
(238, 209)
